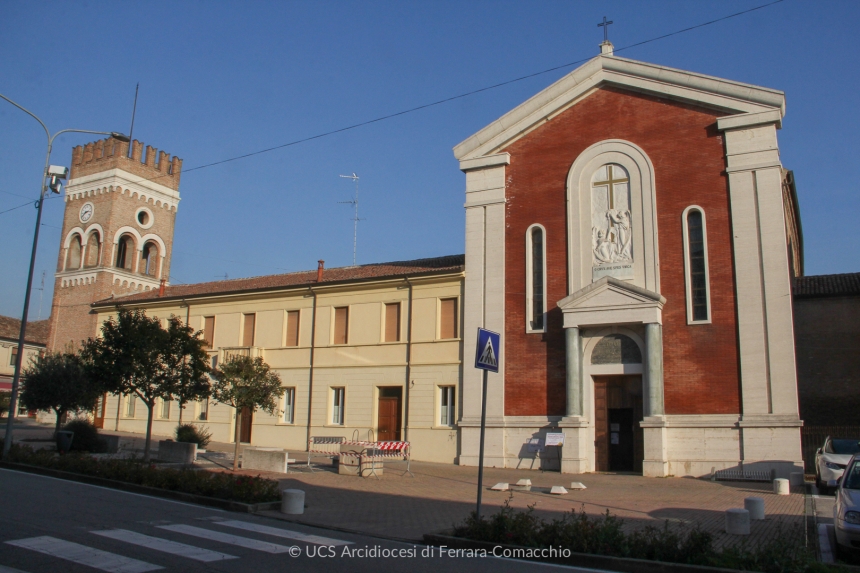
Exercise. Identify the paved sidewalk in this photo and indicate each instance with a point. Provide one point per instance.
(441, 495)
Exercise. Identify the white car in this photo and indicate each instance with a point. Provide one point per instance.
(831, 459)
(846, 510)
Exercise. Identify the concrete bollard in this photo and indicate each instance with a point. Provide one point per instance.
(796, 478)
(292, 501)
(754, 505)
(781, 487)
(737, 521)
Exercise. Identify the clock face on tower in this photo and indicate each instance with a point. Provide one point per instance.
(86, 212)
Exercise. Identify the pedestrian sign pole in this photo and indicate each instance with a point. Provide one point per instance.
(487, 354)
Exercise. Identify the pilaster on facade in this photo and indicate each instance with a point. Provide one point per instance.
(767, 359)
(484, 300)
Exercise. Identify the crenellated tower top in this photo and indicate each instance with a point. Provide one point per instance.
(111, 153)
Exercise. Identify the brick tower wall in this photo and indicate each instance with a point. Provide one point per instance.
(116, 199)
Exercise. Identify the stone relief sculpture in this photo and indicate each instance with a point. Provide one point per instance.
(611, 236)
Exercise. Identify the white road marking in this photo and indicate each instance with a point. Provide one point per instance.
(84, 555)
(158, 544)
(285, 533)
(246, 542)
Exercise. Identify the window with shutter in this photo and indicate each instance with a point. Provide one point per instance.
(248, 333)
(448, 318)
(209, 330)
(392, 322)
(293, 328)
(341, 325)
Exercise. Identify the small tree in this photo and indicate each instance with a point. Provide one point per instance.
(189, 361)
(59, 382)
(243, 382)
(136, 355)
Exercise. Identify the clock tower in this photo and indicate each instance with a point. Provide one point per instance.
(117, 236)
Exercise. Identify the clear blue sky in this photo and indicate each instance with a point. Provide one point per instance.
(219, 79)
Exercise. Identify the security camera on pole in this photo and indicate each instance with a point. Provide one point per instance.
(52, 178)
(488, 353)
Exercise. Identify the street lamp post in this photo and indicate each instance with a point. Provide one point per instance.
(54, 185)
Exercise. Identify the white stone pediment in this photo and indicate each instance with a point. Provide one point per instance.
(707, 91)
(611, 301)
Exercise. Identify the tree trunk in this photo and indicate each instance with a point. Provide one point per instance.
(181, 408)
(236, 438)
(60, 414)
(150, 406)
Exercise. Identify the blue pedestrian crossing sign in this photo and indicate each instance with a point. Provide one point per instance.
(488, 352)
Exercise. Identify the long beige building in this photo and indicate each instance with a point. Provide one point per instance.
(371, 351)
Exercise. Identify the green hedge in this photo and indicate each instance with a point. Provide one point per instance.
(603, 535)
(244, 489)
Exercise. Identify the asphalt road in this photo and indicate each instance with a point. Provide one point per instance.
(49, 525)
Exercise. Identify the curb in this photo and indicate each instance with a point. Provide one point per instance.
(587, 560)
(153, 491)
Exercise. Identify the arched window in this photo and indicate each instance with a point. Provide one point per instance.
(74, 260)
(93, 248)
(124, 250)
(696, 266)
(536, 279)
(149, 259)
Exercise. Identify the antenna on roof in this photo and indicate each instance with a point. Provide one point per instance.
(355, 218)
(225, 275)
(133, 113)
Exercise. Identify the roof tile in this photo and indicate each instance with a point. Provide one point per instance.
(827, 285)
(333, 275)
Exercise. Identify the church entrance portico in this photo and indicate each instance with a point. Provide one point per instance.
(614, 379)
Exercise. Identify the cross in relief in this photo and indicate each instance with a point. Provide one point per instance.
(605, 26)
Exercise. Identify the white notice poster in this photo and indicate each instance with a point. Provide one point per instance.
(556, 439)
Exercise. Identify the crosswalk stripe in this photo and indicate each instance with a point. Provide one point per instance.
(227, 538)
(285, 533)
(158, 544)
(84, 555)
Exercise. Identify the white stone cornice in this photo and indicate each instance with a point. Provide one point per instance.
(108, 181)
(77, 277)
(485, 161)
(611, 301)
(699, 89)
(750, 119)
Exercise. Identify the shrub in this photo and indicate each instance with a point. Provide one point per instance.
(244, 489)
(86, 437)
(603, 535)
(191, 434)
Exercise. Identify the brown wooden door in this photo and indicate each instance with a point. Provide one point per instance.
(389, 419)
(245, 430)
(601, 426)
(99, 412)
(612, 394)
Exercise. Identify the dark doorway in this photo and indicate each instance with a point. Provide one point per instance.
(619, 441)
(389, 414)
(245, 430)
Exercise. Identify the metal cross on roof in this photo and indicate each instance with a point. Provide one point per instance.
(605, 26)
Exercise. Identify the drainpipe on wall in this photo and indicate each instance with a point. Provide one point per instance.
(408, 361)
(311, 372)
